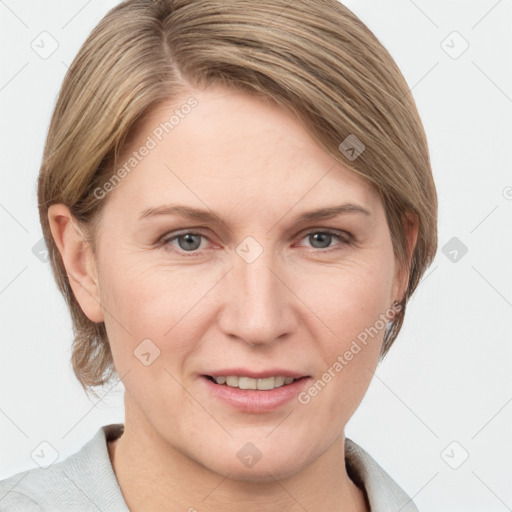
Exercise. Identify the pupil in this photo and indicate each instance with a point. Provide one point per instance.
(189, 239)
(322, 237)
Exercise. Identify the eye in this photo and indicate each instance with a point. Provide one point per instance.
(187, 242)
(190, 242)
(322, 239)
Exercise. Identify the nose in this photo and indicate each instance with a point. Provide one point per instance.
(257, 303)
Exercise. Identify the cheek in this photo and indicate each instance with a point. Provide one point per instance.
(352, 302)
(349, 297)
(152, 301)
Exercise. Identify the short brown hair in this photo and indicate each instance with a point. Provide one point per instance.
(316, 59)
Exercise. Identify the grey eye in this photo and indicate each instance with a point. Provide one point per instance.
(322, 239)
(189, 241)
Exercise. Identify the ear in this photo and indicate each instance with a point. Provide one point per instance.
(78, 260)
(411, 227)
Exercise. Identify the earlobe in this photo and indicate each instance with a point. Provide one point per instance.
(78, 260)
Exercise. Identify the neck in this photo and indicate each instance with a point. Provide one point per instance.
(153, 475)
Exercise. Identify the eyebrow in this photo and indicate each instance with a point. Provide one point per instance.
(210, 217)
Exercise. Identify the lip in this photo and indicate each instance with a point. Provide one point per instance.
(255, 401)
(244, 372)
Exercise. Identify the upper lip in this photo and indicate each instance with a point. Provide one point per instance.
(263, 374)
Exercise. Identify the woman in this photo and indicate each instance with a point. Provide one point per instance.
(200, 156)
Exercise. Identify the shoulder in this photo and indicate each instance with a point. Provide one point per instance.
(16, 496)
(382, 491)
(82, 481)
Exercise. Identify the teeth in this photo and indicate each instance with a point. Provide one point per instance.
(266, 384)
(232, 382)
(248, 383)
(279, 381)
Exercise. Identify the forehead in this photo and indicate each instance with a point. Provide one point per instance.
(232, 148)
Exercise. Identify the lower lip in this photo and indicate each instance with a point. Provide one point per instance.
(253, 400)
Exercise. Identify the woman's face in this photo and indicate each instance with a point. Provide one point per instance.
(214, 260)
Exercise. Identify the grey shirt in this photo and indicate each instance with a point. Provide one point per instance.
(85, 481)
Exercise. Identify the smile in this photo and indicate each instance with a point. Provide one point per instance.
(241, 382)
(261, 393)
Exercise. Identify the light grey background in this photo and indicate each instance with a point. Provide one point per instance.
(445, 390)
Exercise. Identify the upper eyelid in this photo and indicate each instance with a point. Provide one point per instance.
(199, 231)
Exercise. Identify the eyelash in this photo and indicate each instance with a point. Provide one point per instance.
(344, 236)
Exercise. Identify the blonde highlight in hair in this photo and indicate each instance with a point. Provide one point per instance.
(315, 59)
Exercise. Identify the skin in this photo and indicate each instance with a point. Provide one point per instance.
(299, 306)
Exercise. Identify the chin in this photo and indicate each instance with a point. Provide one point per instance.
(249, 464)
(259, 473)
